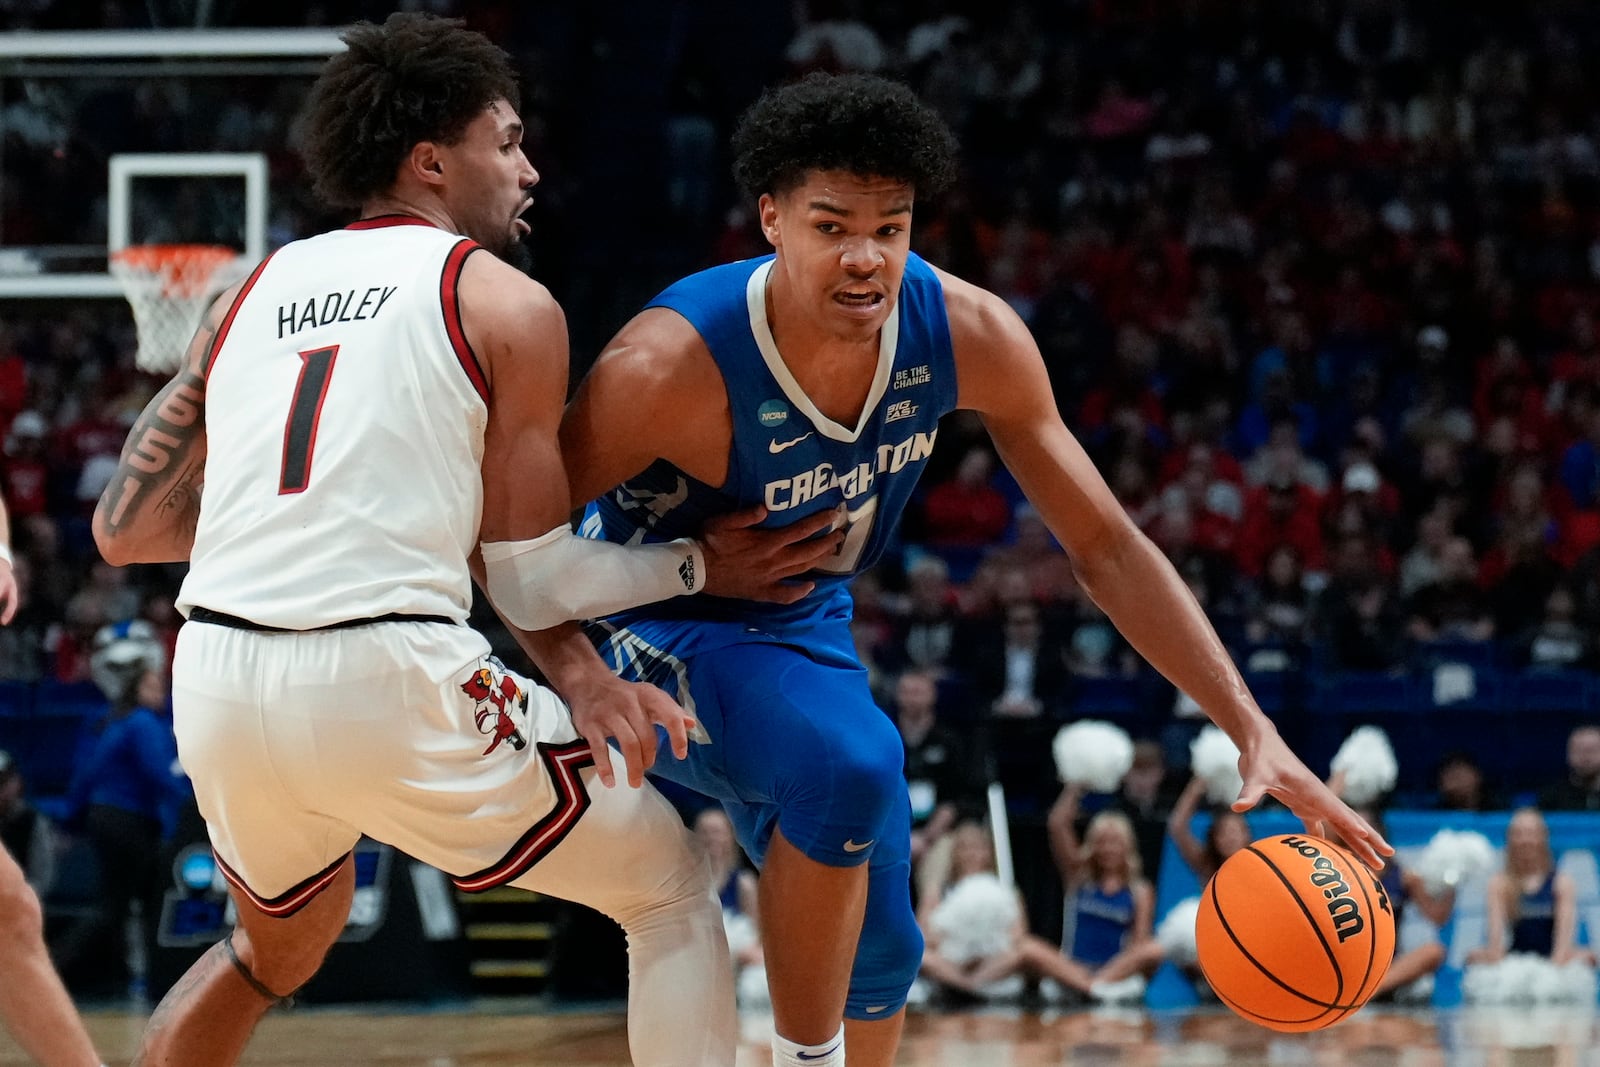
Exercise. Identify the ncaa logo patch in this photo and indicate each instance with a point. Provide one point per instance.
(773, 413)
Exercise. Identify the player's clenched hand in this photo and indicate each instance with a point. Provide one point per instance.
(1269, 767)
(606, 707)
(751, 563)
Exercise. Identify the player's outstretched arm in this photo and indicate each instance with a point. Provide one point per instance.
(1001, 376)
(151, 505)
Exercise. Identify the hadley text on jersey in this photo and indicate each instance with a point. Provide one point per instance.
(332, 307)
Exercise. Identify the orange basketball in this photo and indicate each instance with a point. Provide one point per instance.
(1294, 933)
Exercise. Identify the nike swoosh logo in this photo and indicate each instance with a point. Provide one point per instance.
(778, 446)
(817, 1056)
(851, 846)
(876, 1010)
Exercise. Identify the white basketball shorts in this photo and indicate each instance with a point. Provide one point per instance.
(408, 732)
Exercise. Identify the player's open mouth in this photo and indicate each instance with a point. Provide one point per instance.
(858, 300)
(522, 228)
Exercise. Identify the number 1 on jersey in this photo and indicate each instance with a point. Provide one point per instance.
(305, 411)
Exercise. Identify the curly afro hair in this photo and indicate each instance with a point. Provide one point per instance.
(858, 123)
(415, 78)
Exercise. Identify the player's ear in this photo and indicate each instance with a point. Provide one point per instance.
(426, 162)
(768, 209)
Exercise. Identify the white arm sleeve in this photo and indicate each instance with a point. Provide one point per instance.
(539, 583)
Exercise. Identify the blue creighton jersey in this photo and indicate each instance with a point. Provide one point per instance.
(788, 455)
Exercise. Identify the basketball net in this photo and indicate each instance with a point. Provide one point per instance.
(170, 287)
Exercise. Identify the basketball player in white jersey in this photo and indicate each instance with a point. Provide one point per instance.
(374, 415)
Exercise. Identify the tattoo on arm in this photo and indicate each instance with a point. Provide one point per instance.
(163, 463)
(181, 506)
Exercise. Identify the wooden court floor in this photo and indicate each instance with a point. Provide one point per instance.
(503, 1034)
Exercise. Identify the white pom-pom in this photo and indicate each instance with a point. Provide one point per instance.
(1501, 982)
(1176, 935)
(1214, 758)
(1453, 858)
(1367, 761)
(1527, 979)
(1579, 983)
(1480, 983)
(1093, 754)
(975, 919)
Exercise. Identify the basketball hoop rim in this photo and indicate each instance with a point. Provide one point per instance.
(182, 271)
(157, 256)
(169, 287)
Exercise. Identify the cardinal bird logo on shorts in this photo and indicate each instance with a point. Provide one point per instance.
(491, 715)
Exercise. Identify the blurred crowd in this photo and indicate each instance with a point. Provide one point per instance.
(1318, 285)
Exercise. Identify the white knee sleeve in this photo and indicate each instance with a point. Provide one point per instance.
(631, 858)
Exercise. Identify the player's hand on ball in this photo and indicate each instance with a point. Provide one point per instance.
(1269, 768)
(606, 707)
(754, 563)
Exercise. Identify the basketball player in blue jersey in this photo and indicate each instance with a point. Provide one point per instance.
(809, 380)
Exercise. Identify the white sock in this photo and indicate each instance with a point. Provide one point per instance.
(786, 1053)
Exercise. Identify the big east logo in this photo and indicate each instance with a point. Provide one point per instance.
(491, 716)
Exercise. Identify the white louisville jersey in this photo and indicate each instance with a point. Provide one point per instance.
(345, 416)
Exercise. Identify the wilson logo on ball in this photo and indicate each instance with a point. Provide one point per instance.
(1342, 908)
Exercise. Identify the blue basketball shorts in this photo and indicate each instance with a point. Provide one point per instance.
(792, 741)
